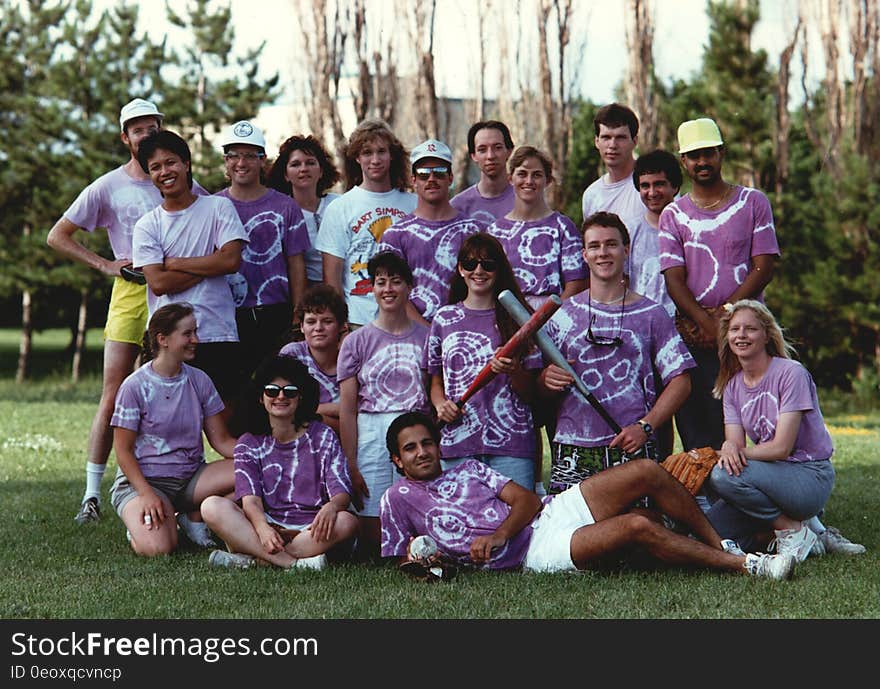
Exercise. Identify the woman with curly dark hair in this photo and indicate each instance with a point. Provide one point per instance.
(304, 169)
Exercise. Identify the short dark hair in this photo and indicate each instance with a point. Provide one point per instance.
(164, 321)
(408, 420)
(616, 115)
(488, 124)
(654, 163)
(310, 146)
(606, 219)
(168, 141)
(392, 264)
(322, 297)
(255, 420)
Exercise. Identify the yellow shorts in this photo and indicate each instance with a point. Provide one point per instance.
(127, 315)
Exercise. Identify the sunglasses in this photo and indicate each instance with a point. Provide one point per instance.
(272, 390)
(490, 265)
(424, 173)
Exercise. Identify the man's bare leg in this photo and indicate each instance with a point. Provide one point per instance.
(119, 361)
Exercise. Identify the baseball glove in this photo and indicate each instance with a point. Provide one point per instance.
(693, 334)
(426, 563)
(691, 468)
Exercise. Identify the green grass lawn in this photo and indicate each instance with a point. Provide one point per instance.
(55, 569)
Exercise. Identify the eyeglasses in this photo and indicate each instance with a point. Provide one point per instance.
(246, 157)
(440, 172)
(289, 391)
(601, 341)
(490, 265)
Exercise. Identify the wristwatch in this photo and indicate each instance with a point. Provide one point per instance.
(646, 427)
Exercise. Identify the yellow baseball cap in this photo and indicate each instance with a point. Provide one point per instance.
(696, 134)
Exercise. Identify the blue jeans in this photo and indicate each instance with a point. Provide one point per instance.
(521, 470)
(763, 491)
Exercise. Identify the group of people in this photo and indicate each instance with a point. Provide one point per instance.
(323, 344)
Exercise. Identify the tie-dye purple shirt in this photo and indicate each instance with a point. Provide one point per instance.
(717, 246)
(545, 254)
(430, 247)
(481, 208)
(328, 387)
(293, 479)
(495, 421)
(276, 230)
(454, 509)
(643, 266)
(168, 415)
(387, 368)
(621, 378)
(786, 387)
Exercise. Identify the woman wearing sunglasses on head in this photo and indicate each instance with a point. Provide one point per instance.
(615, 340)
(543, 246)
(160, 414)
(291, 477)
(495, 426)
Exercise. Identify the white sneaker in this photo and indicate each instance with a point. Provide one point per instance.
(779, 567)
(731, 546)
(818, 549)
(222, 558)
(835, 542)
(197, 532)
(795, 542)
(314, 562)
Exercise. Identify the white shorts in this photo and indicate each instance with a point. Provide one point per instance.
(373, 459)
(550, 548)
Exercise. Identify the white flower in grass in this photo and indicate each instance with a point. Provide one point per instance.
(32, 441)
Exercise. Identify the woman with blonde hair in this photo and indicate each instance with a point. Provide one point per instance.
(783, 479)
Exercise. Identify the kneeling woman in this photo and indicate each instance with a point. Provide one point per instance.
(783, 480)
(290, 475)
(161, 411)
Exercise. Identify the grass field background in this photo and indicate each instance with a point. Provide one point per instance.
(57, 570)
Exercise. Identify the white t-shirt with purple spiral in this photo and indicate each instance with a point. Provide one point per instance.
(293, 479)
(621, 378)
(387, 367)
(454, 509)
(717, 246)
(545, 254)
(786, 387)
(328, 387)
(168, 415)
(276, 230)
(481, 208)
(495, 421)
(431, 249)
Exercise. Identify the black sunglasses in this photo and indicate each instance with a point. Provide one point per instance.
(600, 341)
(490, 265)
(272, 390)
(424, 173)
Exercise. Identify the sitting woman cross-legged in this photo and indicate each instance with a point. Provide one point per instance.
(290, 475)
(161, 411)
(780, 482)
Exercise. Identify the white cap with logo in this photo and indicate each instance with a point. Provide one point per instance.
(138, 108)
(430, 149)
(243, 132)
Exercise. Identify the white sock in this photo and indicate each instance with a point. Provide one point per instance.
(815, 525)
(94, 475)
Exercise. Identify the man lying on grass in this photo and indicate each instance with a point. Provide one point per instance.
(480, 518)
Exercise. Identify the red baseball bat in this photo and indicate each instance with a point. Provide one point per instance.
(516, 341)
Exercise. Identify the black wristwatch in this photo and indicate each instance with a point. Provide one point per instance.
(646, 427)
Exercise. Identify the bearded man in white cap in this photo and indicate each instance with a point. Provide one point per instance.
(114, 201)
(272, 275)
(429, 238)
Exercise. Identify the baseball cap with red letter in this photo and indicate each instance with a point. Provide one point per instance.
(430, 149)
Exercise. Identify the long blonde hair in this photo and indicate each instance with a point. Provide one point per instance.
(777, 345)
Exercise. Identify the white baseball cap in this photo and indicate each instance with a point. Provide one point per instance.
(138, 108)
(243, 132)
(430, 149)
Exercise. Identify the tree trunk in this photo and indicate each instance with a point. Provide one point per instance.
(638, 84)
(80, 335)
(783, 117)
(24, 346)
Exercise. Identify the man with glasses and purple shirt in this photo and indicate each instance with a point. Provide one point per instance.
(615, 339)
(115, 201)
(429, 238)
(489, 145)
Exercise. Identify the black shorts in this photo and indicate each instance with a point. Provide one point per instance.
(222, 362)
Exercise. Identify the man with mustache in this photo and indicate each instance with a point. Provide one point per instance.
(717, 245)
